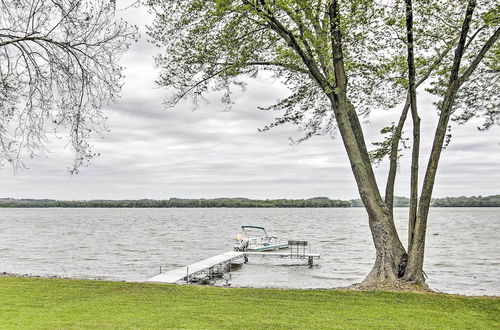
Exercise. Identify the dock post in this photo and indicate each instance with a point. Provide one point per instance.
(187, 275)
(310, 261)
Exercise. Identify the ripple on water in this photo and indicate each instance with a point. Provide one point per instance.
(131, 244)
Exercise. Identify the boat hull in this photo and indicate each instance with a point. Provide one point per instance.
(268, 248)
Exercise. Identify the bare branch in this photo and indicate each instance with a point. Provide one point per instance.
(58, 66)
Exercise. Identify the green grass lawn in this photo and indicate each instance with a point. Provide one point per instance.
(53, 303)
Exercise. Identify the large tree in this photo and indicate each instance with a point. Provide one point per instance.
(58, 67)
(341, 60)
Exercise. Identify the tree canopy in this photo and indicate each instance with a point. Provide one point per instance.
(214, 45)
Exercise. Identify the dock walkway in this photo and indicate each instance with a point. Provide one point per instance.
(180, 273)
(207, 264)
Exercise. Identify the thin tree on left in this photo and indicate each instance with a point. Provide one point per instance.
(58, 68)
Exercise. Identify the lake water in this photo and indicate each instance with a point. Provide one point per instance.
(463, 253)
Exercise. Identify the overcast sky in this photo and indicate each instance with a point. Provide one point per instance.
(152, 152)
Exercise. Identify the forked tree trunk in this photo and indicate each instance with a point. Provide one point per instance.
(394, 268)
(390, 255)
(414, 271)
(392, 262)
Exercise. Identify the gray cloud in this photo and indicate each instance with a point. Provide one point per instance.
(153, 152)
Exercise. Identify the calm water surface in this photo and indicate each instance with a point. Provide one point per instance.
(463, 253)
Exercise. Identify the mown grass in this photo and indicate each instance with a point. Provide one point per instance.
(54, 303)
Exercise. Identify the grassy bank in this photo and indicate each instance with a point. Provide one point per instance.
(53, 303)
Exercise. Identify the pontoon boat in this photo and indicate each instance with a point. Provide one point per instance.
(247, 242)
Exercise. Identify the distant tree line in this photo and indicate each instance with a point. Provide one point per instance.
(177, 202)
(398, 202)
(463, 201)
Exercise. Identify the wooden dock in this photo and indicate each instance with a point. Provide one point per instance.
(206, 265)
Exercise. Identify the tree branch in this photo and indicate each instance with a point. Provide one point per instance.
(486, 47)
(289, 37)
(393, 156)
(270, 63)
(350, 127)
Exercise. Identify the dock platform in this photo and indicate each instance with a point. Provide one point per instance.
(182, 272)
(185, 273)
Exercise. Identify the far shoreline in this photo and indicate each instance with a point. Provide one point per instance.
(239, 202)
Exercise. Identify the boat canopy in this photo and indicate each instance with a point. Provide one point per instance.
(254, 227)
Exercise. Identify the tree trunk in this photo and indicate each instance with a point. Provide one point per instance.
(390, 250)
(393, 156)
(390, 255)
(412, 217)
(414, 271)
